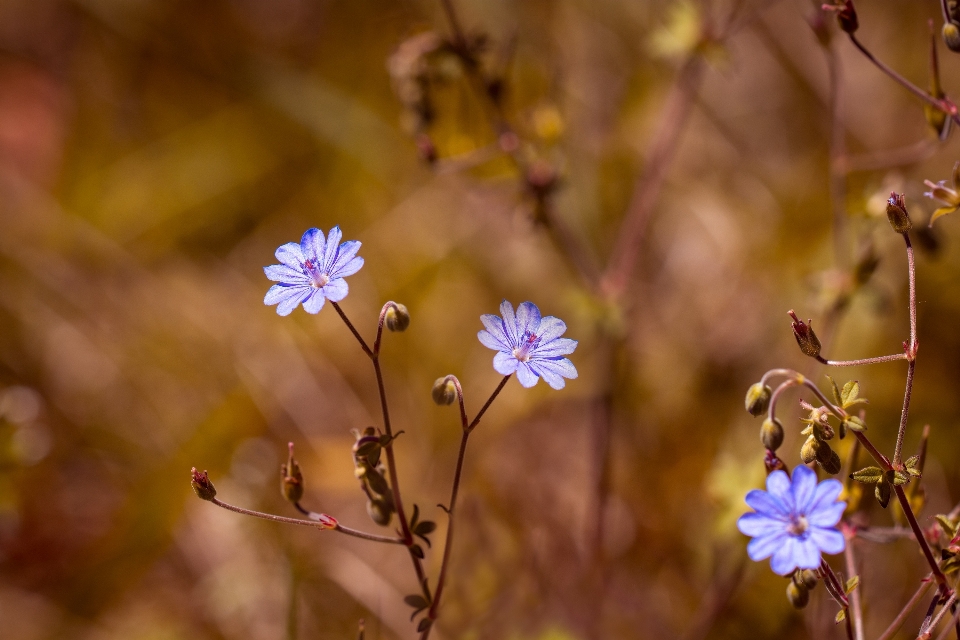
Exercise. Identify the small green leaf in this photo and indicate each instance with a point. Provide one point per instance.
(914, 472)
(841, 616)
(948, 526)
(417, 601)
(417, 550)
(837, 398)
(807, 431)
(425, 528)
(850, 393)
(367, 448)
(414, 517)
(950, 565)
(852, 584)
(900, 478)
(912, 462)
(855, 424)
(868, 475)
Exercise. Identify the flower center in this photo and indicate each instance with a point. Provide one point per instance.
(317, 280)
(797, 526)
(522, 353)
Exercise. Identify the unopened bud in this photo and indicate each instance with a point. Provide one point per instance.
(897, 213)
(291, 480)
(327, 522)
(444, 391)
(830, 461)
(808, 452)
(798, 595)
(397, 317)
(772, 463)
(771, 434)
(806, 338)
(201, 485)
(808, 578)
(951, 36)
(846, 15)
(758, 397)
(379, 512)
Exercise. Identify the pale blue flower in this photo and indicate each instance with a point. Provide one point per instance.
(312, 272)
(529, 345)
(794, 522)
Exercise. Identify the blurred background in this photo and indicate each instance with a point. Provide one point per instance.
(153, 155)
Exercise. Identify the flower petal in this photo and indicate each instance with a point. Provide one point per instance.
(330, 251)
(765, 546)
(803, 488)
(336, 290)
(528, 319)
(312, 244)
(827, 516)
(504, 363)
(556, 366)
(496, 330)
(786, 556)
(290, 255)
(827, 493)
(778, 485)
(280, 292)
(526, 376)
(509, 323)
(314, 303)
(286, 298)
(556, 347)
(552, 378)
(827, 540)
(766, 504)
(807, 554)
(345, 256)
(283, 273)
(758, 525)
(551, 327)
(487, 340)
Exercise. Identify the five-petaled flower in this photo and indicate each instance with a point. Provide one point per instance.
(312, 272)
(794, 522)
(529, 345)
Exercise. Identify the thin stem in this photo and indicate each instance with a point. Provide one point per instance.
(907, 609)
(374, 356)
(353, 330)
(927, 630)
(834, 587)
(911, 349)
(307, 523)
(918, 534)
(856, 363)
(855, 606)
(943, 105)
(451, 508)
(945, 10)
(912, 279)
(849, 628)
(954, 623)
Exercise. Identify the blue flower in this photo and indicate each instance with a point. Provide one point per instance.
(529, 345)
(312, 272)
(794, 522)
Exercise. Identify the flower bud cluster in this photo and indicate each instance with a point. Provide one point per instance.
(801, 583)
(372, 476)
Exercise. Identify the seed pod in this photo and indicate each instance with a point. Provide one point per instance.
(201, 485)
(951, 36)
(808, 452)
(758, 397)
(798, 595)
(771, 434)
(806, 338)
(897, 213)
(291, 479)
(397, 318)
(379, 512)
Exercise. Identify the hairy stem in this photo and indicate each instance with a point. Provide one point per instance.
(856, 363)
(856, 608)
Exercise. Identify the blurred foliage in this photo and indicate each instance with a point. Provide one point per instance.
(154, 153)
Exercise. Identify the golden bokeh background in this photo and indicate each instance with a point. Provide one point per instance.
(153, 155)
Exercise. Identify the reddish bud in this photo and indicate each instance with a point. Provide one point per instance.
(806, 338)
(201, 485)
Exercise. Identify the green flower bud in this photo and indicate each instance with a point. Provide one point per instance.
(771, 434)
(897, 213)
(758, 397)
(201, 485)
(808, 452)
(291, 480)
(828, 459)
(798, 595)
(397, 318)
(444, 391)
(808, 578)
(806, 338)
(951, 36)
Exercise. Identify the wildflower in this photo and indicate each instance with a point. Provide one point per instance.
(794, 522)
(312, 272)
(943, 193)
(529, 345)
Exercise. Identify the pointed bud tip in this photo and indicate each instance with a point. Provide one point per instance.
(201, 484)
